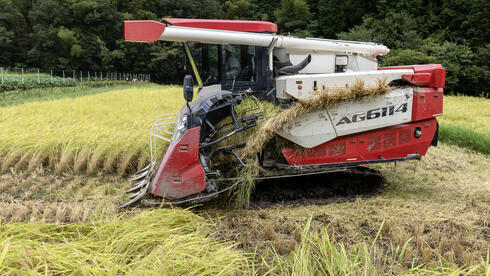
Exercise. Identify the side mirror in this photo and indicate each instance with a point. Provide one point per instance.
(188, 88)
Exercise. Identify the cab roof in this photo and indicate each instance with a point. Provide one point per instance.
(225, 25)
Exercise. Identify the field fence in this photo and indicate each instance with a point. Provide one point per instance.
(26, 78)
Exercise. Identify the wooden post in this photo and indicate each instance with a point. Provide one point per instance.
(81, 77)
(22, 75)
(1, 71)
(63, 76)
(51, 76)
(38, 77)
(74, 78)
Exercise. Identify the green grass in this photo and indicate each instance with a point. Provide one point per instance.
(466, 123)
(465, 137)
(469, 112)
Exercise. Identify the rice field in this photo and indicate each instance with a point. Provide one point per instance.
(465, 122)
(105, 132)
(64, 160)
(171, 242)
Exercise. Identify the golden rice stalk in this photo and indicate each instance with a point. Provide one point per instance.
(158, 242)
(96, 132)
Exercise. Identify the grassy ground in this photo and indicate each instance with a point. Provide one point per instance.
(438, 209)
(433, 216)
(466, 122)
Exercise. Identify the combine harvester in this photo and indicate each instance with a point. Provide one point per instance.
(231, 58)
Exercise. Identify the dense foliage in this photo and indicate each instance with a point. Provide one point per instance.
(87, 34)
(33, 82)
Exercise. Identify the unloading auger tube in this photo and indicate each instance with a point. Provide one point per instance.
(397, 124)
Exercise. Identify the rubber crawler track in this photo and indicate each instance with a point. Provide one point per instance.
(318, 189)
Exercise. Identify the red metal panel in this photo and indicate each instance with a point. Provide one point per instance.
(181, 174)
(225, 25)
(143, 30)
(385, 143)
(427, 103)
(432, 75)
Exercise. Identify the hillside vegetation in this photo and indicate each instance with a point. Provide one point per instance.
(86, 35)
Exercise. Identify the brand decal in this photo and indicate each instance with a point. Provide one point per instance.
(373, 114)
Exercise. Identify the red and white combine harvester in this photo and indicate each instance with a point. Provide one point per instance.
(232, 58)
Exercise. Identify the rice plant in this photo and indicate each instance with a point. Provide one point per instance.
(320, 254)
(465, 137)
(106, 131)
(465, 122)
(158, 242)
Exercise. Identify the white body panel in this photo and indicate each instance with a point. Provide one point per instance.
(310, 129)
(183, 34)
(318, 127)
(324, 62)
(287, 87)
(360, 63)
(367, 114)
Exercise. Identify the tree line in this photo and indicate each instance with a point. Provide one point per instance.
(87, 34)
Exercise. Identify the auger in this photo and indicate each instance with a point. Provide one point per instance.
(338, 109)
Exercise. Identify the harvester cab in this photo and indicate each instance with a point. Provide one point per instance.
(338, 109)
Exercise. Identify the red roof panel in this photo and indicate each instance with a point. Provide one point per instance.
(226, 25)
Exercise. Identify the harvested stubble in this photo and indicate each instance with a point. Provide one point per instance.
(438, 209)
(319, 253)
(40, 196)
(104, 132)
(158, 242)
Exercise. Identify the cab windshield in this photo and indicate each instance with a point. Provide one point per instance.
(229, 65)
